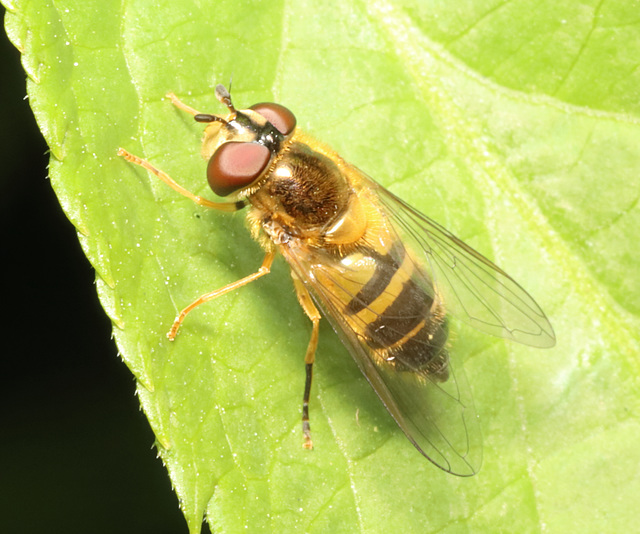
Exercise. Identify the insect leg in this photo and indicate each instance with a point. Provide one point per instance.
(222, 206)
(265, 268)
(181, 105)
(312, 312)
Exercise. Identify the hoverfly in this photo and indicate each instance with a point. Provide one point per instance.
(387, 277)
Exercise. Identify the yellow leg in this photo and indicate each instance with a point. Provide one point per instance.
(181, 105)
(222, 206)
(265, 268)
(312, 312)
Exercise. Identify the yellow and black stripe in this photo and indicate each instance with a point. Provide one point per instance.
(396, 317)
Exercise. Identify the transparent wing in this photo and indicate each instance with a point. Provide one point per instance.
(431, 403)
(437, 416)
(474, 289)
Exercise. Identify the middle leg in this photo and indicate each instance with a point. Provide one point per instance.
(312, 312)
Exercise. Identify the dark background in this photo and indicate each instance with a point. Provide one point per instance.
(75, 450)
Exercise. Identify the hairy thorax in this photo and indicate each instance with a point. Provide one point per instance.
(307, 196)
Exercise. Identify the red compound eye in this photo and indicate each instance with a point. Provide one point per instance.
(278, 115)
(236, 165)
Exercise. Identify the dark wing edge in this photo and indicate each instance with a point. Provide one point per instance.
(475, 290)
(439, 419)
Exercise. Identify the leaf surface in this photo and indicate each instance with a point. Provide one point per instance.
(513, 124)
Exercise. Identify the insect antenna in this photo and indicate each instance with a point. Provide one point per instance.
(207, 117)
(223, 96)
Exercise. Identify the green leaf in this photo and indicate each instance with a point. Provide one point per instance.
(514, 124)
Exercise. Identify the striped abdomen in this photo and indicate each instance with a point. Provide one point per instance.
(395, 311)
